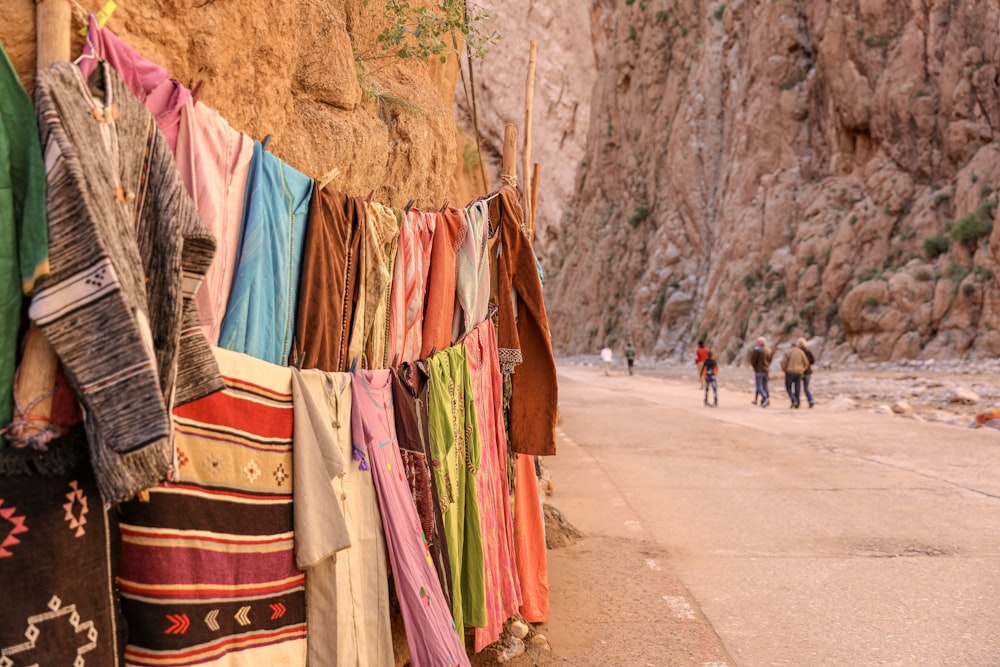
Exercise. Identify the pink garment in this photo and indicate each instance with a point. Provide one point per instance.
(214, 160)
(503, 589)
(162, 96)
(529, 542)
(430, 629)
(409, 282)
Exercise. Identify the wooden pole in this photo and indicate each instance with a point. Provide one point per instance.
(534, 200)
(36, 377)
(510, 154)
(529, 103)
(53, 20)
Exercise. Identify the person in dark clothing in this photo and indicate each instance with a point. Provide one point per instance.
(760, 361)
(807, 374)
(629, 356)
(709, 369)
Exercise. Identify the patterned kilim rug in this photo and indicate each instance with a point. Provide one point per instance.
(56, 560)
(208, 574)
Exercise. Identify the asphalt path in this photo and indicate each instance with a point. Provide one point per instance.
(771, 536)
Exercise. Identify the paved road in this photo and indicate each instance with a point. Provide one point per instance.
(788, 537)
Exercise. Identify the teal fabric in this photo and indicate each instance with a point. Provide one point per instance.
(263, 301)
(24, 243)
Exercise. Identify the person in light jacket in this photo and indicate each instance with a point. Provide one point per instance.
(794, 364)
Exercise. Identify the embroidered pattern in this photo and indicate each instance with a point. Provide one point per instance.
(280, 474)
(10, 539)
(76, 509)
(252, 471)
(214, 462)
(34, 633)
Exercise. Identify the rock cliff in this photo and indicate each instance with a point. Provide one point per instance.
(787, 168)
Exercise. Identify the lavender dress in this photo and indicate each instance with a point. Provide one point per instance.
(430, 629)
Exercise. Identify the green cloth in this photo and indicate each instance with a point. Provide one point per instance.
(456, 449)
(24, 240)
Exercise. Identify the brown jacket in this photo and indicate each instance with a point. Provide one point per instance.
(794, 361)
(523, 335)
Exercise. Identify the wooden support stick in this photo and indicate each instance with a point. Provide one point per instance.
(52, 28)
(529, 103)
(534, 200)
(39, 364)
(510, 154)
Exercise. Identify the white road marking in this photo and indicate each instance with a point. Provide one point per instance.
(679, 606)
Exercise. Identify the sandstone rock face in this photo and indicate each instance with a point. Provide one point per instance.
(787, 168)
(293, 72)
(564, 76)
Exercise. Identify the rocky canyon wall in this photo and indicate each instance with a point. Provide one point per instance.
(306, 72)
(787, 168)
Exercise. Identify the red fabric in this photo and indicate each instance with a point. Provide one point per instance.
(700, 355)
(439, 302)
(529, 543)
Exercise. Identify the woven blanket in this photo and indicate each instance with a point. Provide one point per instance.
(208, 572)
(56, 563)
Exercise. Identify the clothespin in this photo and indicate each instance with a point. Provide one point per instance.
(408, 206)
(354, 365)
(395, 360)
(196, 91)
(370, 195)
(102, 16)
(433, 352)
(297, 357)
(263, 144)
(329, 176)
(445, 207)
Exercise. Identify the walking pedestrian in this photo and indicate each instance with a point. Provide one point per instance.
(700, 354)
(709, 369)
(794, 363)
(807, 375)
(629, 356)
(607, 356)
(760, 361)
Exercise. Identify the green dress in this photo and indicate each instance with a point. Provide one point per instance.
(455, 450)
(24, 240)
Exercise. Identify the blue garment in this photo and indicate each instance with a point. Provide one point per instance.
(805, 388)
(260, 316)
(793, 385)
(761, 379)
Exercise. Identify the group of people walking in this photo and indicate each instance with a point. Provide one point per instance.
(797, 365)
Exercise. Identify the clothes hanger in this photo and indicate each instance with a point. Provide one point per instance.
(87, 56)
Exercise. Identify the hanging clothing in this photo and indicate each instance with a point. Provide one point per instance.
(338, 530)
(369, 332)
(24, 244)
(439, 302)
(430, 632)
(163, 96)
(58, 560)
(329, 284)
(455, 446)
(503, 590)
(523, 330)
(409, 285)
(260, 315)
(409, 396)
(529, 542)
(214, 162)
(473, 282)
(207, 568)
(127, 253)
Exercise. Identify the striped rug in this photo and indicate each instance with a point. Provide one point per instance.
(208, 573)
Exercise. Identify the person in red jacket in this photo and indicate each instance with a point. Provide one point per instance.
(700, 355)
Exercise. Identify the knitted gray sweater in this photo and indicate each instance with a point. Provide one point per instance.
(127, 252)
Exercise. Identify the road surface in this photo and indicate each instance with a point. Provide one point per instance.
(749, 537)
